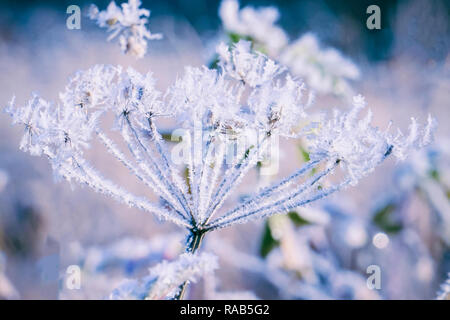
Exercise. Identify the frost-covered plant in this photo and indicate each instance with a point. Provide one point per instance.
(165, 278)
(128, 23)
(324, 70)
(216, 109)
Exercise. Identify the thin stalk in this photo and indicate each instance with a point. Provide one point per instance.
(195, 241)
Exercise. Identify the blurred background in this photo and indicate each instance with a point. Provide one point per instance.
(397, 218)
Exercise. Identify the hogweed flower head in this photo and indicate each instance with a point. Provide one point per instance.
(215, 109)
(128, 23)
(249, 92)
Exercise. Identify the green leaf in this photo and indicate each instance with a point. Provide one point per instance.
(306, 158)
(167, 136)
(235, 38)
(268, 243)
(434, 174)
(304, 153)
(214, 64)
(186, 178)
(383, 219)
(246, 154)
(296, 219)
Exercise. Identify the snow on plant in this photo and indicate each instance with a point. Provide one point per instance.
(128, 23)
(215, 109)
(166, 278)
(324, 70)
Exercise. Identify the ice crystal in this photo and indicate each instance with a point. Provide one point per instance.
(250, 67)
(358, 145)
(128, 23)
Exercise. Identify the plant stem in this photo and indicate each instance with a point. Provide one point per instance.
(194, 242)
